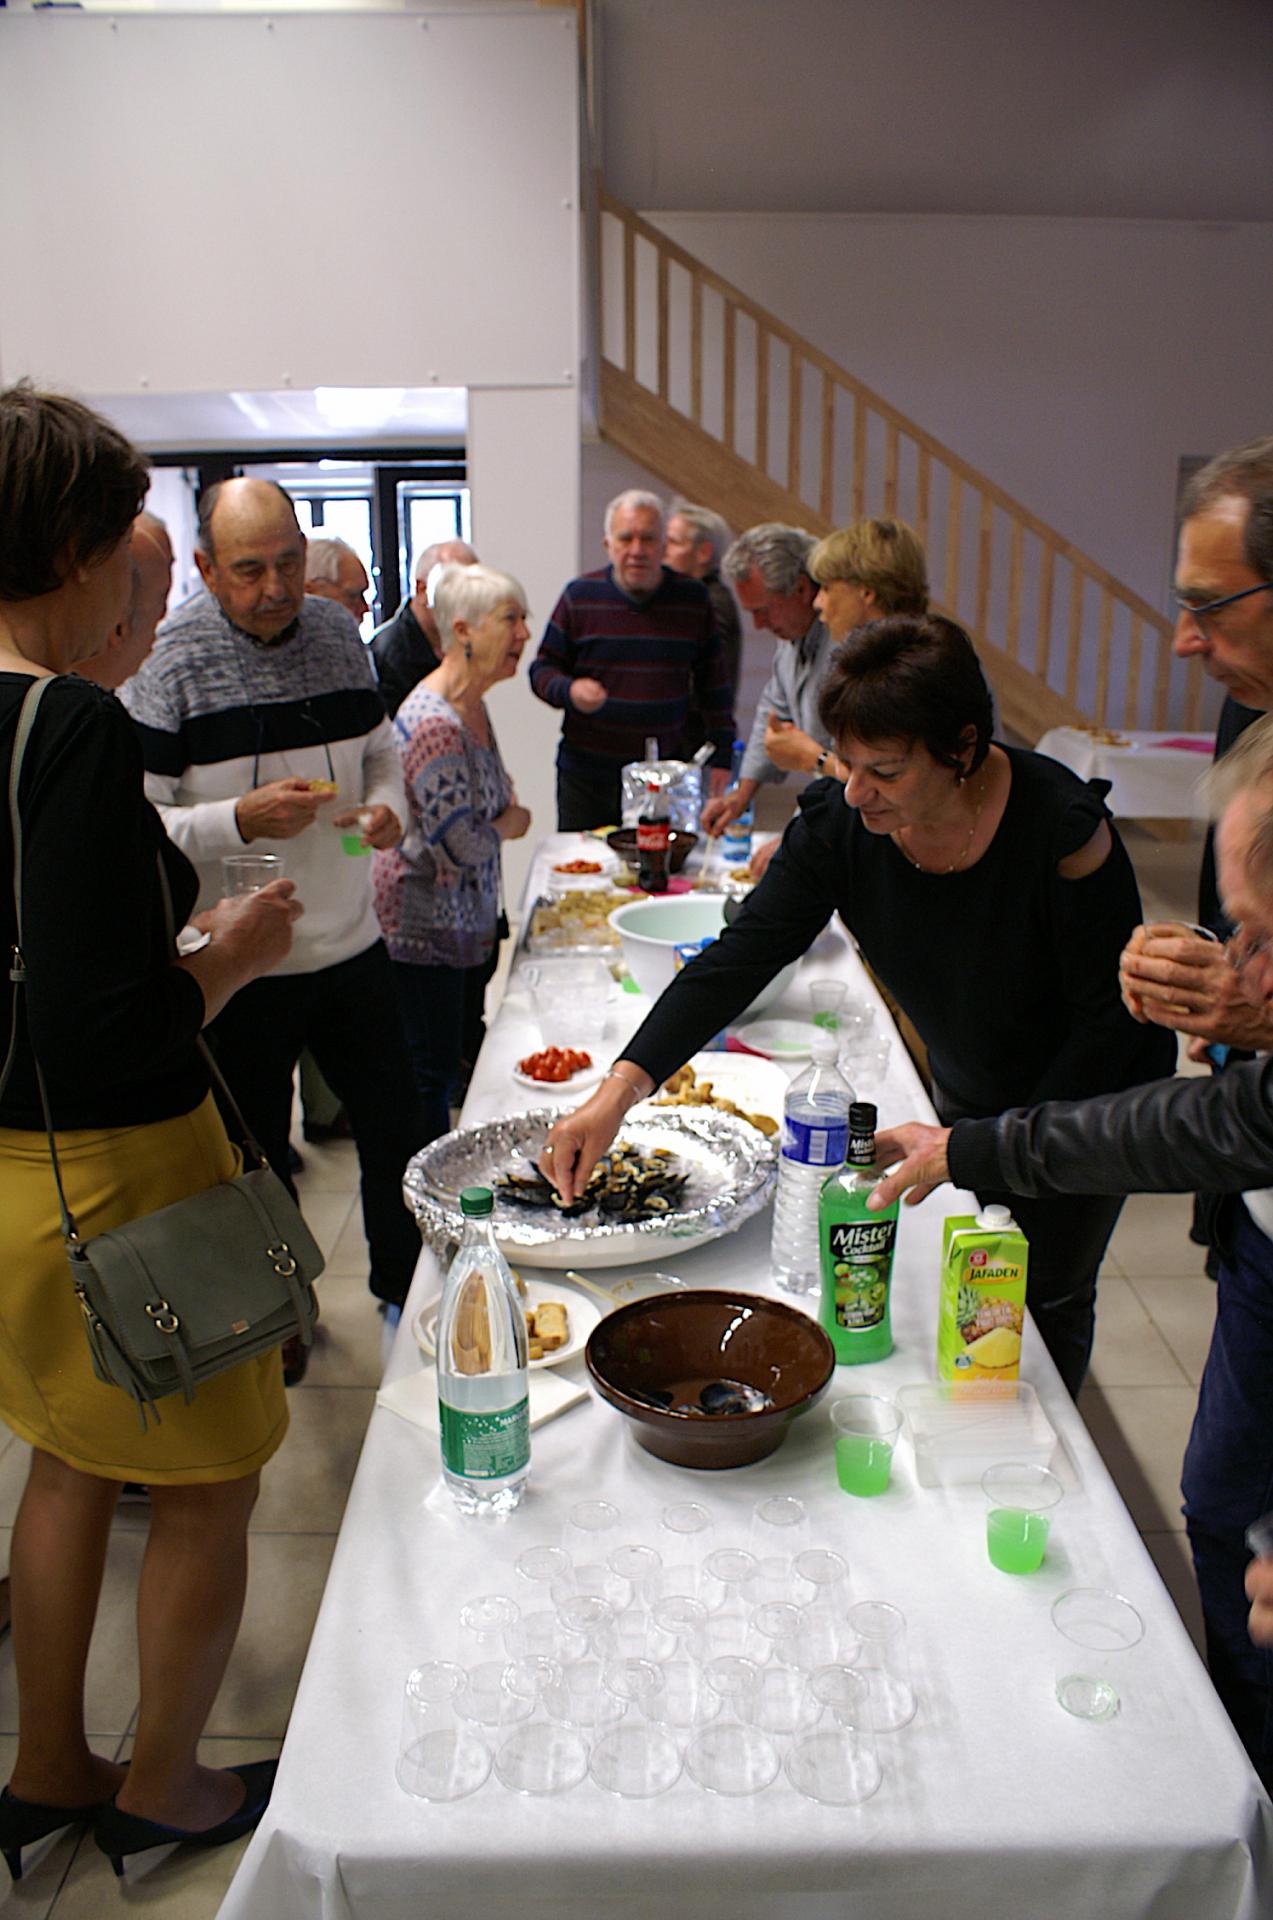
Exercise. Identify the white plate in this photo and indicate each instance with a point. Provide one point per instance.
(779, 1039)
(586, 1077)
(583, 1315)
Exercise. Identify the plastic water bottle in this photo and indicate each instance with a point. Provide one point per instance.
(815, 1141)
(736, 839)
(483, 1385)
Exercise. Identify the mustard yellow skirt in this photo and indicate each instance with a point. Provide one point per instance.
(49, 1393)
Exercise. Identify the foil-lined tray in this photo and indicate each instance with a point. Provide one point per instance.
(732, 1169)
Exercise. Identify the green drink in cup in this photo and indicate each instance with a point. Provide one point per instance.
(1020, 1502)
(866, 1427)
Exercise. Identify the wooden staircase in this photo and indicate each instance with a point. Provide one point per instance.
(731, 408)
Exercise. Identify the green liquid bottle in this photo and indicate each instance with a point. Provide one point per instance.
(855, 1248)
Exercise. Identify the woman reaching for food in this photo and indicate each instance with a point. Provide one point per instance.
(987, 888)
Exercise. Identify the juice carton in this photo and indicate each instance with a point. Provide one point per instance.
(982, 1306)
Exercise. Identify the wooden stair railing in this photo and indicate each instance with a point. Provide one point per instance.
(731, 407)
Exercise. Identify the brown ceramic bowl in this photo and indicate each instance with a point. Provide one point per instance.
(653, 1358)
(680, 845)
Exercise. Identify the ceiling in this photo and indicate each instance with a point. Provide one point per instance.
(1137, 109)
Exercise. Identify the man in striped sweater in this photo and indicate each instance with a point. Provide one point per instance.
(626, 653)
(261, 726)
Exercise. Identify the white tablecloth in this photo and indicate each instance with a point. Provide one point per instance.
(993, 1799)
(1150, 779)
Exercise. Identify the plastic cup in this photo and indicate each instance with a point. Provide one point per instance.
(639, 1757)
(1097, 1629)
(729, 1753)
(882, 1659)
(827, 997)
(538, 1755)
(779, 1531)
(351, 839)
(489, 1637)
(866, 1428)
(836, 1763)
(440, 1757)
(1020, 1501)
(245, 873)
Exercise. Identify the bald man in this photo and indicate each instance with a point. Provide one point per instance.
(406, 647)
(152, 583)
(261, 727)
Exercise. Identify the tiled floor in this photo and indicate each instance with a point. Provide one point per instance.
(1154, 1323)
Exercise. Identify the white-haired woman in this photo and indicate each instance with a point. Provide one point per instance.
(437, 893)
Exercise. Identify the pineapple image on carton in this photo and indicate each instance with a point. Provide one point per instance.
(981, 1310)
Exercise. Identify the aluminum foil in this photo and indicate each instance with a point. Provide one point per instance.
(732, 1168)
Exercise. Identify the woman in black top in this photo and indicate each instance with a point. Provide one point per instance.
(110, 1014)
(988, 890)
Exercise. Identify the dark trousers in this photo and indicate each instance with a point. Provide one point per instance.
(348, 1017)
(588, 797)
(1228, 1482)
(433, 1001)
(476, 981)
(1068, 1237)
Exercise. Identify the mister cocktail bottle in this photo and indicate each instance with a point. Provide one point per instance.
(856, 1250)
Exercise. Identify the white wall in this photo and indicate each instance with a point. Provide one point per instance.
(524, 473)
(238, 201)
(1073, 361)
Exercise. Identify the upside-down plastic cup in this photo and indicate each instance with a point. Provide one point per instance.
(441, 1756)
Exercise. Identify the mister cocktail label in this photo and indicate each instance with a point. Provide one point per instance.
(861, 1253)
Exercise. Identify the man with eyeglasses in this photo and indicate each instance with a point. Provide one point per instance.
(261, 726)
(1168, 1137)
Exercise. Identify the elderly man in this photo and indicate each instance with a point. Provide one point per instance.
(152, 582)
(882, 563)
(627, 653)
(334, 572)
(696, 543)
(1163, 1138)
(406, 647)
(261, 727)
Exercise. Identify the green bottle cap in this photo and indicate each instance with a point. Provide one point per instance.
(476, 1201)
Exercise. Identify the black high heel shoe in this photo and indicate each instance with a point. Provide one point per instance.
(23, 1822)
(118, 1834)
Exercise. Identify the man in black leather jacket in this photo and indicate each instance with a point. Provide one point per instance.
(1171, 1136)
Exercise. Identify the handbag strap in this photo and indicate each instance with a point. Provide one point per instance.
(18, 969)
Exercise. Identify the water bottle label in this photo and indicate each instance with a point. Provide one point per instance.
(815, 1143)
(485, 1446)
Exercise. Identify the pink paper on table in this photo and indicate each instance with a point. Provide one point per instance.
(1189, 743)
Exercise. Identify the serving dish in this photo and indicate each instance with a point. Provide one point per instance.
(664, 1363)
(731, 1167)
(650, 930)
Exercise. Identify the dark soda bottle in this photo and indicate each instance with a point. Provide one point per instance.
(654, 833)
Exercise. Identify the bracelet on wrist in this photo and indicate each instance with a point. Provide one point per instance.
(821, 761)
(612, 1073)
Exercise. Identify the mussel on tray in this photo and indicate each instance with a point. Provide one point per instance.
(625, 1185)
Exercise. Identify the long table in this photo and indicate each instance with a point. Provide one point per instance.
(993, 1799)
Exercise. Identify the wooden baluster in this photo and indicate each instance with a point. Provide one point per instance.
(1043, 650)
(1131, 705)
(731, 330)
(1013, 634)
(859, 456)
(954, 506)
(795, 423)
(696, 348)
(826, 500)
(629, 299)
(1077, 583)
(762, 398)
(1103, 648)
(985, 549)
(890, 469)
(923, 481)
(664, 328)
(1162, 685)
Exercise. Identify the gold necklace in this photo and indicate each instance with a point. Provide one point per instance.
(941, 872)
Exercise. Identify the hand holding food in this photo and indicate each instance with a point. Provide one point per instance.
(576, 1142)
(1178, 976)
(277, 811)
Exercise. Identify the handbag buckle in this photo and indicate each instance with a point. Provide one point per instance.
(284, 1262)
(163, 1316)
